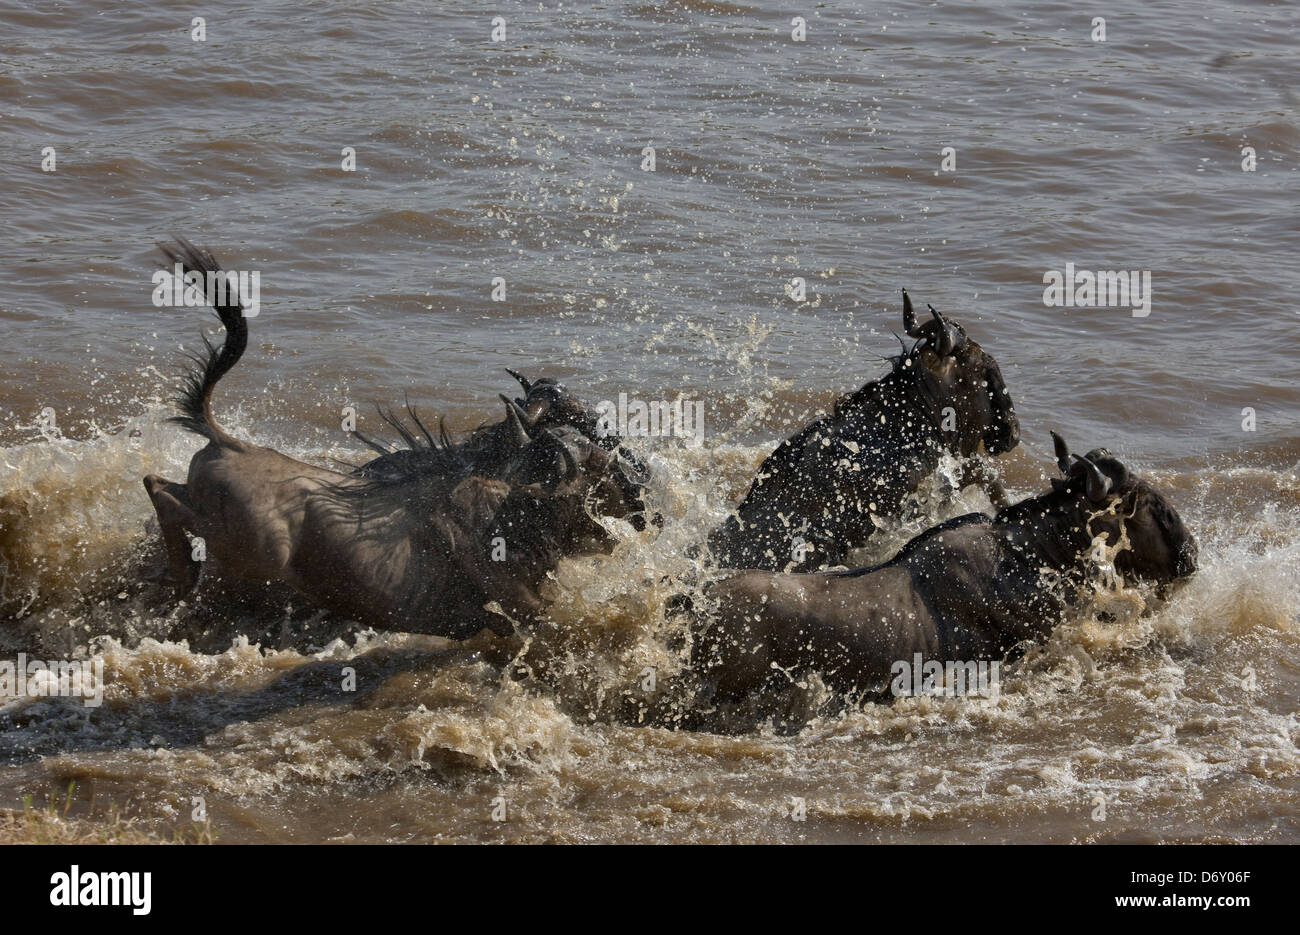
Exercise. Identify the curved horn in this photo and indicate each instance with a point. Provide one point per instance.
(943, 338)
(514, 418)
(523, 381)
(909, 317)
(1062, 453)
(570, 462)
(1098, 484)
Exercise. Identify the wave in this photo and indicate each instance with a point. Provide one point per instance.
(238, 694)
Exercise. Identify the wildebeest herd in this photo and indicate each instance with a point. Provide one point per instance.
(448, 538)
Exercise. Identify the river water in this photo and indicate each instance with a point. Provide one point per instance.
(524, 161)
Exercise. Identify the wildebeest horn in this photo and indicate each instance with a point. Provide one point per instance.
(570, 464)
(943, 338)
(1098, 484)
(515, 416)
(1062, 453)
(909, 317)
(523, 380)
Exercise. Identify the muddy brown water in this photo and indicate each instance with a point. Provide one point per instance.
(774, 159)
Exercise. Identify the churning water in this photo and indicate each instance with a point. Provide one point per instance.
(774, 160)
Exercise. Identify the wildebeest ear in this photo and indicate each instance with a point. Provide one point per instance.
(1062, 451)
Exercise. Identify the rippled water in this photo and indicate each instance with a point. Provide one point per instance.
(523, 160)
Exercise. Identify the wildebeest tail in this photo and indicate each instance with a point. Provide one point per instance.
(195, 398)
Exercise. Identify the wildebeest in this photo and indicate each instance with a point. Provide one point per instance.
(818, 495)
(966, 590)
(490, 449)
(418, 550)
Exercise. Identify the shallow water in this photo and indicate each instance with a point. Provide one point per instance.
(523, 160)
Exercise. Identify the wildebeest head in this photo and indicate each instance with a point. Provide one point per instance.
(549, 404)
(491, 450)
(560, 463)
(958, 373)
(1123, 505)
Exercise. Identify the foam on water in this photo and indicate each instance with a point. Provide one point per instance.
(1142, 702)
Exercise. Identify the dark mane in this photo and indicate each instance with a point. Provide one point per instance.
(408, 437)
(880, 396)
(421, 468)
(904, 352)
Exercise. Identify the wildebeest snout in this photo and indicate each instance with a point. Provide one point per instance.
(1005, 435)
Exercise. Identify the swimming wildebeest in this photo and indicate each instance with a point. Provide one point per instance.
(815, 497)
(420, 550)
(490, 449)
(967, 590)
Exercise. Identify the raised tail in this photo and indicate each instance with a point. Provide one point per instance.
(195, 398)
